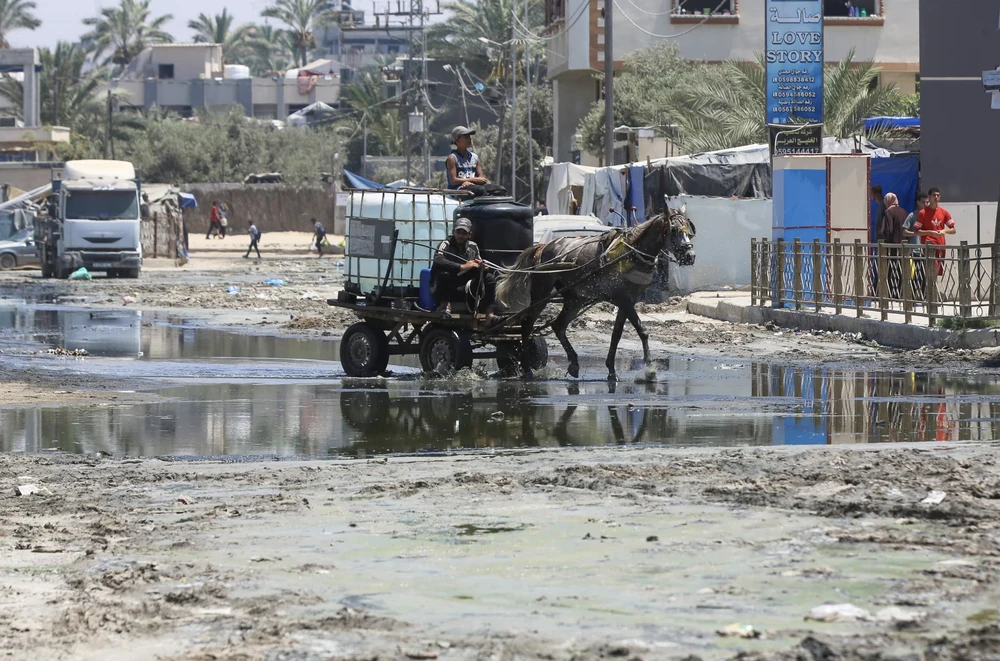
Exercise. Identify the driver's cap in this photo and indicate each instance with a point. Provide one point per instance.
(463, 224)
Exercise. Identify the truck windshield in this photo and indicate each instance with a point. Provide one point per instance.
(102, 205)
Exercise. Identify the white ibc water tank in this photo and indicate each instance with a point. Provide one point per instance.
(235, 71)
(291, 74)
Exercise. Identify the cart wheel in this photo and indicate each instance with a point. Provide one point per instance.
(365, 409)
(509, 355)
(364, 351)
(445, 351)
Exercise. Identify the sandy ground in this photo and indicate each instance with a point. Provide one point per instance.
(566, 555)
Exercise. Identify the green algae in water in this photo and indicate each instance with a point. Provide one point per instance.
(985, 616)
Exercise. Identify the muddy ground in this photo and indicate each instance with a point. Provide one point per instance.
(567, 555)
(644, 554)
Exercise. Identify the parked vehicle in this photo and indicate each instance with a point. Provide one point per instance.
(548, 228)
(18, 250)
(93, 221)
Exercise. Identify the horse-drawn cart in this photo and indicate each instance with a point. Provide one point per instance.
(392, 237)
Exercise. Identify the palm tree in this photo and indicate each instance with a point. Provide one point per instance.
(365, 95)
(272, 51)
(301, 17)
(65, 93)
(477, 33)
(219, 29)
(126, 30)
(16, 14)
(725, 108)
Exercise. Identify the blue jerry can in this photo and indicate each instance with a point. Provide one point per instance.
(425, 300)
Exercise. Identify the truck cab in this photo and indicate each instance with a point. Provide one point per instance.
(94, 221)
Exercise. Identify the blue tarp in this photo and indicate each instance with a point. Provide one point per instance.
(355, 181)
(187, 201)
(891, 122)
(895, 175)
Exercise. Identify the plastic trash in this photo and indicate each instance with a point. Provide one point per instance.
(737, 630)
(275, 282)
(80, 274)
(339, 266)
(934, 498)
(838, 613)
(232, 290)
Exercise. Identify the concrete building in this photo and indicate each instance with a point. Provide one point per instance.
(959, 133)
(361, 46)
(187, 77)
(709, 31)
(22, 137)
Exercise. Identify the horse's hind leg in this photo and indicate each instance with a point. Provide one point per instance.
(633, 316)
(571, 308)
(616, 336)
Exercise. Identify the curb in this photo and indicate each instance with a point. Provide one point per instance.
(886, 333)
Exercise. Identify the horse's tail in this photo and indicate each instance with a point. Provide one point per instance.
(514, 291)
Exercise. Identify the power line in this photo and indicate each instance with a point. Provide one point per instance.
(651, 13)
(668, 36)
(583, 10)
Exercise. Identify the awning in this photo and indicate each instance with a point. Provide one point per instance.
(188, 201)
(354, 181)
(891, 122)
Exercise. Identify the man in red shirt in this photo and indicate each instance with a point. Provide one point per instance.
(933, 224)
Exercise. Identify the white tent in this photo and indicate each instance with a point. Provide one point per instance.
(561, 180)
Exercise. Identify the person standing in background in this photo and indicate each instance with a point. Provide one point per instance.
(933, 224)
(213, 220)
(891, 232)
(915, 254)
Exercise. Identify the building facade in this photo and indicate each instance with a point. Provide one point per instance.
(959, 133)
(184, 78)
(711, 31)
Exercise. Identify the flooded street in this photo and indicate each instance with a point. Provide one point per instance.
(226, 392)
(211, 489)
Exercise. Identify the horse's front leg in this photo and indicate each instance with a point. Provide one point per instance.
(616, 336)
(628, 307)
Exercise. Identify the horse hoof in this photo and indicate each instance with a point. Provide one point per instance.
(612, 377)
(574, 371)
(527, 375)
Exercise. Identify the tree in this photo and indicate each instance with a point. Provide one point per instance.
(272, 51)
(301, 17)
(65, 93)
(460, 37)
(726, 107)
(372, 117)
(647, 93)
(219, 29)
(15, 15)
(126, 30)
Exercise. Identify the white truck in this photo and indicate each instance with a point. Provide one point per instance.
(94, 218)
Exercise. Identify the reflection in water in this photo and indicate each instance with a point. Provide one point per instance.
(695, 402)
(252, 394)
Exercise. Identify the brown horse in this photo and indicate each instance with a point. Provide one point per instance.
(614, 267)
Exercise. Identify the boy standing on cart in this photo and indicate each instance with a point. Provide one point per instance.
(459, 274)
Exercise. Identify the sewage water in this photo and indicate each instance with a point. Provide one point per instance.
(231, 393)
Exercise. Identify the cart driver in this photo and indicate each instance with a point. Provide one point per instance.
(459, 273)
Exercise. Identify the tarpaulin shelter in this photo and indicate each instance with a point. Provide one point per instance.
(352, 180)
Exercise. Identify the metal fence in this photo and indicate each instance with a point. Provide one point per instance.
(923, 281)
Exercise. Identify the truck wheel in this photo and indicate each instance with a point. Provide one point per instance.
(7, 261)
(445, 351)
(129, 273)
(364, 351)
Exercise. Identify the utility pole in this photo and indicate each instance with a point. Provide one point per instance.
(423, 95)
(364, 145)
(107, 143)
(531, 144)
(609, 85)
(513, 103)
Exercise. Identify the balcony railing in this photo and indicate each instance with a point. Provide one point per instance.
(897, 281)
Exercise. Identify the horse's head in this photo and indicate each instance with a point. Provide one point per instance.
(680, 242)
(671, 232)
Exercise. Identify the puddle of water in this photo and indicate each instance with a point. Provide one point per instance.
(232, 393)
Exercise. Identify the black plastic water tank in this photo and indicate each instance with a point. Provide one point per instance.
(501, 227)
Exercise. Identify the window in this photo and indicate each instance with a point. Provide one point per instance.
(102, 205)
(165, 72)
(705, 7)
(845, 8)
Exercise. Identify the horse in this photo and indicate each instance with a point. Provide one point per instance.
(614, 267)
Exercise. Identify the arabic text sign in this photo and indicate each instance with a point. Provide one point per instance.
(794, 56)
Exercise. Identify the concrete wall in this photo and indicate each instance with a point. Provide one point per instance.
(261, 97)
(959, 134)
(191, 61)
(573, 95)
(274, 207)
(722, 244)
(27, 176)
